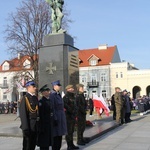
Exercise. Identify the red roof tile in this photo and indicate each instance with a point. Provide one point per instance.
(105, 56)
(16, 64)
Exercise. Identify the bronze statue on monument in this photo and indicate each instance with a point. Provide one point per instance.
(57, 15)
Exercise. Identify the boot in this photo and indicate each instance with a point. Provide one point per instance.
(85, 140)
(73, 146)
(80, 142)
(69, 146)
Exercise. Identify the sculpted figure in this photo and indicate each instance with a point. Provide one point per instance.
(57, 15)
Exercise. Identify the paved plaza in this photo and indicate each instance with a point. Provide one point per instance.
(132, 136)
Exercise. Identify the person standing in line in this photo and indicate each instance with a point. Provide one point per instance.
(119, 105)
(113, 107)
(71, 112)
(91, 107)
(45, 138)
(81, 114)
(60, 127)
(29, 116)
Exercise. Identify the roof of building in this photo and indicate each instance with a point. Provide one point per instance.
(16, 64)
(105, 56)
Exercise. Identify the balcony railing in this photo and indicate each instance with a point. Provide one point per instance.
(3, 86)
(93, 84)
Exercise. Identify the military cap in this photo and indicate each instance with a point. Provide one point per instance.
(79, 85)
(69, 86)
(125, 90)
(56, 83)
(30, 83)
(44, 88)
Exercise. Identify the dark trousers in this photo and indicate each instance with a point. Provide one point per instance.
(91, 111)
(70, 129)
(127, 117)
(57, 140)
(29, 141)
(81, 127)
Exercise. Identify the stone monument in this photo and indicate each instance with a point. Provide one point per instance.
(58, 58)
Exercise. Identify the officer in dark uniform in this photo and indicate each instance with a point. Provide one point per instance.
(60, 126)
(71, 112)
(29, 116)
(81, 114)
(46, 120)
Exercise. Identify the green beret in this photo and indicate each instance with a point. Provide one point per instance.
(79, 85)
(69, 86)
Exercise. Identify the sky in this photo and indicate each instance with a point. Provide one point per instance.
(124, 23)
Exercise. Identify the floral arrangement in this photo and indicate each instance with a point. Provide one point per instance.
(89, 123)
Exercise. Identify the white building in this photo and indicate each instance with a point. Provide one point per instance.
(13, 74)
(94, 71)
(126, 76)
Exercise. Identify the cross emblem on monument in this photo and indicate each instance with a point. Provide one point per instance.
(51, 68)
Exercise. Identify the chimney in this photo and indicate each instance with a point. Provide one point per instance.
(18, 55)
(102, 47)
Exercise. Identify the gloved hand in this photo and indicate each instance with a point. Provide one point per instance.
(55, 123)
(26, 133)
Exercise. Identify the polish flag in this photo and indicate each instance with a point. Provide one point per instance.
(100, 105)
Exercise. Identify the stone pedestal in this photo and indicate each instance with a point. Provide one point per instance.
(58, 60)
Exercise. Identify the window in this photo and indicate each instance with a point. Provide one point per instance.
(116, 74)
(5, 67)
(121, 75)
(5, 81)
(94, 79)
(103, 77)
(27, 64)
(4, 96)
(83, 79)
(93, 62)
(104, 93)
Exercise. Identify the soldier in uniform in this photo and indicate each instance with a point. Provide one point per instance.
(46, 120)
(81, 114)
(119, 105)
(60, 127)
(29, 116)
(71, 112)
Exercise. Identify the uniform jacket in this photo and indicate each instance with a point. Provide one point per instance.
(118, 99)
(28, 119)
(45, 123)
(70, 105)
(81, 103)
(59, 115)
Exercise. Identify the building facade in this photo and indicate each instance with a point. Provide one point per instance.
(13, 75)
(128, 77)
(94, 71)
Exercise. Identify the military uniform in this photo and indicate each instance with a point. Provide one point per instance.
(45, 137)
(29, 118)
(119, 107)
(71, 112)
(81, 117)
(60, 127)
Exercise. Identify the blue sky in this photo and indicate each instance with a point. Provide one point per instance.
(118, 22)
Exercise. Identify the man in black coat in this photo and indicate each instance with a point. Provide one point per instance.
(46, 120)
(81, 114)
(29, 116)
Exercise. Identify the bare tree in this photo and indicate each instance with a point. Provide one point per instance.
(27, 27)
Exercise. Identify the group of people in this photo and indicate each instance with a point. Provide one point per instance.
(122, 106)
(8, 107)
(45, 121)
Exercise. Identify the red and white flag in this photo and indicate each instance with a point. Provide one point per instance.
(100, 105)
